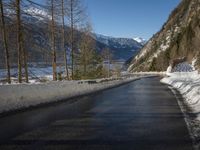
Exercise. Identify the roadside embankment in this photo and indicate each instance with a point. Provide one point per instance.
(20, 96)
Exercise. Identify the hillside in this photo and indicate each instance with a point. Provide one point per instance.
(179, 37)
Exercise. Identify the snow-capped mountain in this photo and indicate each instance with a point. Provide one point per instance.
(140, 40)
(117, 42)
(122, 48)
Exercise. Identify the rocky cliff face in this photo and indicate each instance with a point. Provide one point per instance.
(179, 37)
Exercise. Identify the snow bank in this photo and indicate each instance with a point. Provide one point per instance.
(188, 84)
(13, 97)
(144, 73)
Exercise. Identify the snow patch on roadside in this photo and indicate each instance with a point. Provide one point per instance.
(188, 84)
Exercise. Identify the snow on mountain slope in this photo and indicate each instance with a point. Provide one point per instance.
(117, 42)
(30, 12)
(38, 13)
(122, 48)
(140, 40)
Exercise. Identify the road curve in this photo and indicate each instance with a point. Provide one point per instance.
(142, 115)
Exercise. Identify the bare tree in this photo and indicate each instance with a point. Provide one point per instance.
(25, 65)
(75, 15)
(3, 30)
(53, 46)
(72, 34)
(19, 39)
(22, 54)
(63, 38)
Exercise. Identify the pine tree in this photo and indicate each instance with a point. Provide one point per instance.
(87, 50)
(107, 56)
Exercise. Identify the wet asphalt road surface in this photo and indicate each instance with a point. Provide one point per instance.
(142, 115)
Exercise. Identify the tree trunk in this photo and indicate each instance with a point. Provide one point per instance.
(53, 42)
(25, 64)
(85, 63)
(19, 37)
(85, 69)
(63, 40)
(25, 57)
(72, 38)
(7, 57)
(109, 65)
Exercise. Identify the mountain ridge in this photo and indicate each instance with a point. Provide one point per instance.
(122, 48)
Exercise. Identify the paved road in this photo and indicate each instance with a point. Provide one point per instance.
(143, 115)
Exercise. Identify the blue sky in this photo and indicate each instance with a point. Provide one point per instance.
(129, 18)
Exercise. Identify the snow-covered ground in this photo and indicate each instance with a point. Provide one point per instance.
(36, 74)
(13, 97)
(44, 74)
(188, 84)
